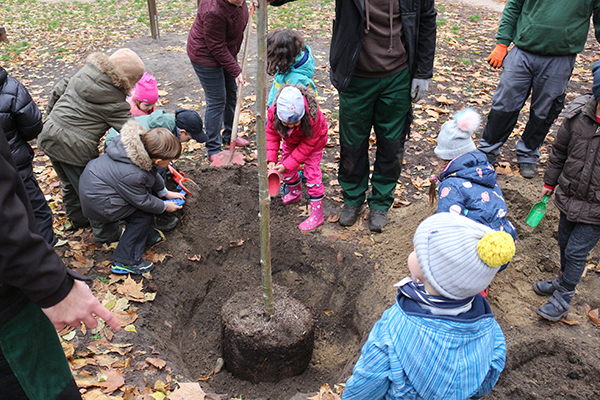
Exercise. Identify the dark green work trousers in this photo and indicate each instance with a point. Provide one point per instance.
(384, 105)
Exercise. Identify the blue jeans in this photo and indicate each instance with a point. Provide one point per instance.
(220, 91)
(575, 240)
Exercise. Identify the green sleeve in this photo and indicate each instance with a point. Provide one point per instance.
(508, 23)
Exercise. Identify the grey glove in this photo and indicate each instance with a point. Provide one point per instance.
(418, 89)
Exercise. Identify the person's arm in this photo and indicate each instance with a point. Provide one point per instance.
(496, 366)
(450, 198)
(27, 115)
(508, 22)
(28, 263)
(119, 116)
(558, 155)
(58, 90)
(425, 50)
(596, 20)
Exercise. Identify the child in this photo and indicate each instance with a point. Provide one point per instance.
(467, 185)
(440, 340)
(295, 117)
(574, 165)
(119, 184)
(21, 120)
(144, 96)
(80, 111)
(290, 60)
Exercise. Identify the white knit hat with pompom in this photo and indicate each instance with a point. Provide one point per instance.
(455, 136)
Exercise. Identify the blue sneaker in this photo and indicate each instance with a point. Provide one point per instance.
(141, 268)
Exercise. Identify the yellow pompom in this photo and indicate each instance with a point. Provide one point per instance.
(496, 248)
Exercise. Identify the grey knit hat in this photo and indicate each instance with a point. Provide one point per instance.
(458, 256)
(455, 136)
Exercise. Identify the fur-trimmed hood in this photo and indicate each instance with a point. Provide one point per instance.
(103, 64)
(130, 146)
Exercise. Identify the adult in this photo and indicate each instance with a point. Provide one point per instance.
(213, 43)
(21, 120)
(38, 295)
(547, 37)
(381, 58)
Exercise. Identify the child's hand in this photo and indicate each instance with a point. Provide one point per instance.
(279, 168)
(547, 191)
(270, 165)
(174, 195)
(172, 206)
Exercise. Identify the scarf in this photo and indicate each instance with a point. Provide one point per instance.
(437, 305)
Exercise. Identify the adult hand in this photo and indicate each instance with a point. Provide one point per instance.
(239, 80)
(418, 89)
(546, 191)
(495, 59)
(172, 206)
(80, 305)
(174, 195)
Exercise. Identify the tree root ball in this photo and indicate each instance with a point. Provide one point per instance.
(261, 349)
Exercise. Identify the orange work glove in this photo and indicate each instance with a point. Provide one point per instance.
(495, 59)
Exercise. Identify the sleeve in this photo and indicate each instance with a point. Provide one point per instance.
(27, 262)
(450, 197)
(425, 50)
(273, 137)
(309, 145)
(27, 115)
(370, 379)
(132, 188)
(57, 92)
(558, 154)
(596, 20)
(119, 116)
(214, 35)
(508, 23)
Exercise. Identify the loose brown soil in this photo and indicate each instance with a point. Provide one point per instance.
(345, 275)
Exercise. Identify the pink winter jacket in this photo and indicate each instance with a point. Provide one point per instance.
(304, 146)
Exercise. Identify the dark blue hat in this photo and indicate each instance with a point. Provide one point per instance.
(192, 123)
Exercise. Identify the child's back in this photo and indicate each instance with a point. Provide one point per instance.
(290, 61)
(467, 185)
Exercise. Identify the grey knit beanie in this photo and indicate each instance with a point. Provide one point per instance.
(455, 136)
(458, 256)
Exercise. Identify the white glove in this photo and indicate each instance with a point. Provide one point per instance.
(418, 89)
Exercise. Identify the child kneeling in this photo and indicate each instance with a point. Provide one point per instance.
(119, 185)
(440, 340)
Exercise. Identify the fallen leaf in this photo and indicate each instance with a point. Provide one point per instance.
(333, 218)
(156, 362)
(197, 257)
(592, 314)
(188, 391)
(131, 290)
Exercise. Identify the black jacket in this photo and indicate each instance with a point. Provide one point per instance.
(29, 269)
(418, 33)
(20, 118)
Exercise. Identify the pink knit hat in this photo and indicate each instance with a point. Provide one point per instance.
(146, 90)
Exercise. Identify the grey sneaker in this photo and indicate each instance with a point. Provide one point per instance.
(377, 220)
(349, 215)
(527, 170)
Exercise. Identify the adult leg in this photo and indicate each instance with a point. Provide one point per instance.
(551, 76)
(512, 91)
(228, 114)
(138, 229)
(41, 210)
(35, 356)
(390, 119)
(213, 83)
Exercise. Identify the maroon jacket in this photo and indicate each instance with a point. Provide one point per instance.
(217, 34)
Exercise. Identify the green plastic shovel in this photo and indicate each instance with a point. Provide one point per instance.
(537, 212)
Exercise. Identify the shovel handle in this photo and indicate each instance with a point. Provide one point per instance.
(545, 199)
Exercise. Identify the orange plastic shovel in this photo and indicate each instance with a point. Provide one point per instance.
(180, 179)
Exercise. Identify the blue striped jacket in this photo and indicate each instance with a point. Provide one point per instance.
(413, 354)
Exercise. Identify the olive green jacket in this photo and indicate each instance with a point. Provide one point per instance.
(81, 109)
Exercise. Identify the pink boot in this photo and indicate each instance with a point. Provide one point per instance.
(294, 196)
(316, 217)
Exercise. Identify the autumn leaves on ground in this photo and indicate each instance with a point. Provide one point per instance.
(49, 40)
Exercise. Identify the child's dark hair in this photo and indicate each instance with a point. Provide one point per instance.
(309, 113)
(283, 46)
(160, 143)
